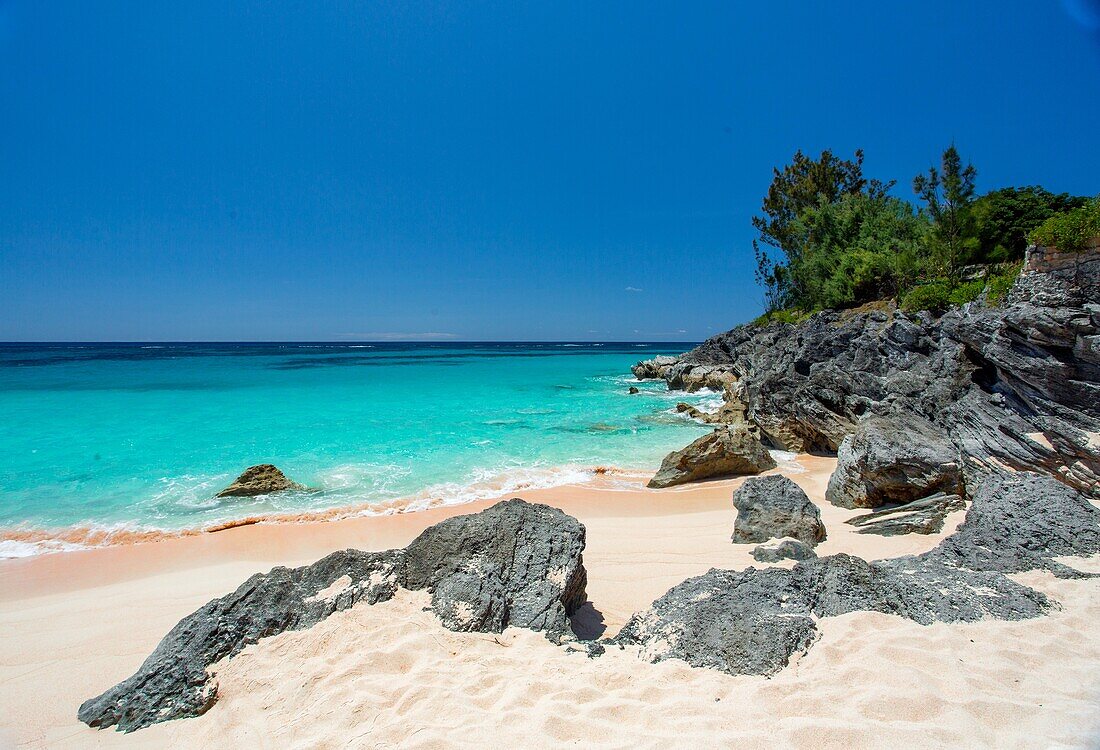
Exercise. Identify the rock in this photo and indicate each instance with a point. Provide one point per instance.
(775, 507)
(513, 564)
(652, 369)
(753, 621)
(727, 451)
(633, 390)
(259, 480)
(173, 683)
(1019, 522)
(782, 549)
(893, 460)
(924, 516)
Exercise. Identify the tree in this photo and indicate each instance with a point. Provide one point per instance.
(948, 195)
(1004, 218)
(802, 185)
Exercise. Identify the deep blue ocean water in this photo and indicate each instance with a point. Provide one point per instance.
(143, 435)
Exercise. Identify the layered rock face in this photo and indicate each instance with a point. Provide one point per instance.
(754, 621)
(775, 507)
(1015, 386)
(514, 564)
(728, 451)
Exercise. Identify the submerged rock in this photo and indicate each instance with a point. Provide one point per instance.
(893, 460)
(727, 451)
(924, 516)
(259, 480)
(754, 621)
(775, 507)
(513, 564)
(633, 390)
(782, 549)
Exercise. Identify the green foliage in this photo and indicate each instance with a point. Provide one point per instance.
(1069, 231)
(1003, 219)
(948, 193)
(999, 283)
(790, 317)
(803, 184)
(933, 297)
(967, 291)
(859, 248)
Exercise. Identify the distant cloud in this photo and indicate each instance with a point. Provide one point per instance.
(397, 336)
(634, 289)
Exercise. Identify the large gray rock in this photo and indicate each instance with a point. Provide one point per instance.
(728, 451)
(893, 460)
(259, 480)
(924, 516)
(513, 564)
(753, 621)
(775, 507)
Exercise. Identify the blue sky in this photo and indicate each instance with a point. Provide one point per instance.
(342, 170)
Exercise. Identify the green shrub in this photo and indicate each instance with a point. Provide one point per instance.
(791, 317)
(1070, 230)
(968, 291)
(933, 297)
(1001, 282)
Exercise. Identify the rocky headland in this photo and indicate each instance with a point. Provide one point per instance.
(994, 409)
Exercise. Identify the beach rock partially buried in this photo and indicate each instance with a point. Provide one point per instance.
(782, 549)
(728, 451)
(513, 564)
(775, 507)
(259, 480)
(924, 516)
(754, 621)
(894, 460)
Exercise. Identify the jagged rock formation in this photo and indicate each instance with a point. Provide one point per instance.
(893, 460)
(775, 507)
(728, 451)
(924, 516)
(754, 621)
(259, 480)
(513, 564)
(782, 549)
(1015, 386)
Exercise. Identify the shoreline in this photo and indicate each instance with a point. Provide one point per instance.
(77, 623)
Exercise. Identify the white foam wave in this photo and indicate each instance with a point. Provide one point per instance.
(13, 548)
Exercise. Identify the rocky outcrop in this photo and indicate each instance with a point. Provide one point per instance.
(782, 549)
(893, 460)
(924, 516)
(754, 621)
(259, 480)
(633, 390)
(727, 451)
(775, 507)
(1016, 386)
(655, 368)
(514, 564)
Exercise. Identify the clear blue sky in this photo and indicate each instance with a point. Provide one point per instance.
(328, 170)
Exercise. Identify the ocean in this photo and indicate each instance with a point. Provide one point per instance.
(100, 439)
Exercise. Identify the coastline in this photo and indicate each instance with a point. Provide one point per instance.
(80, 621)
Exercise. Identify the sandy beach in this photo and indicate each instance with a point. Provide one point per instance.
(390, 675)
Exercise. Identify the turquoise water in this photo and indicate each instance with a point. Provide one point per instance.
(140, 436)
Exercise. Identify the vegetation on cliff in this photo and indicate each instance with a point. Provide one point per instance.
(832, 238)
